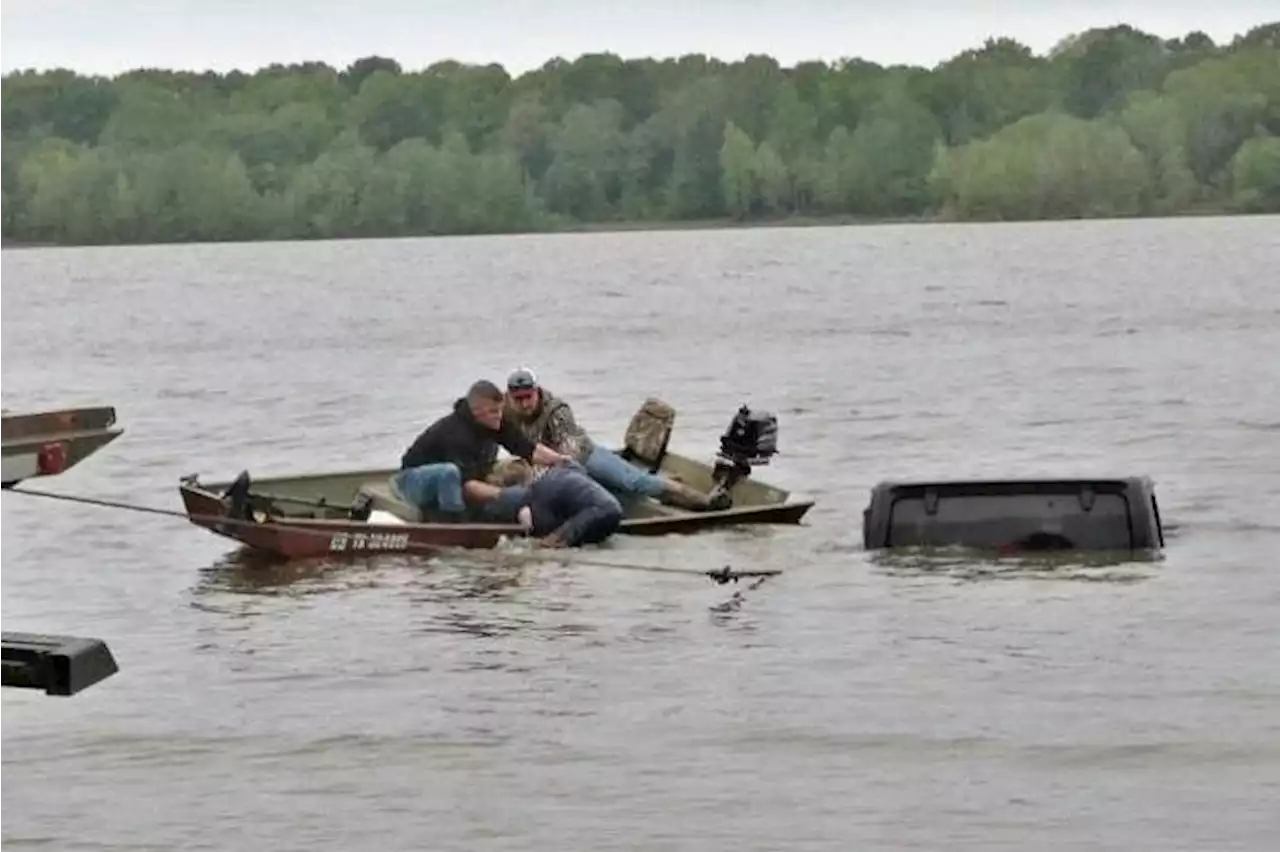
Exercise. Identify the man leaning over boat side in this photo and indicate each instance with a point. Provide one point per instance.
(444, 471)
(545, 418)
(562, 506)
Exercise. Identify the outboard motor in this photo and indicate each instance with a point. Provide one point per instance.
(751, 439)
(239, 499)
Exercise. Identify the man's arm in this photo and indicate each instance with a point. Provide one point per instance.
(547, 457)
(478, 491)
(568, 434)
(514, 441)
(539, 509)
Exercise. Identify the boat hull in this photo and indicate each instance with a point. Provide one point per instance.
(306, 538)
(306, 516)
(49, 443)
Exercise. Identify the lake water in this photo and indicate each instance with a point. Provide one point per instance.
(852, 703)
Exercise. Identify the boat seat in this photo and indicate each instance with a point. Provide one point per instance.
(648, 433)
(379, 493)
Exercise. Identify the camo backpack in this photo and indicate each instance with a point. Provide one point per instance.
(648, 433)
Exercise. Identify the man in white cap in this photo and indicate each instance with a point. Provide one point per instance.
(546, 419)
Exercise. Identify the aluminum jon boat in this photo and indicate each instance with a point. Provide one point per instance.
(353, 512)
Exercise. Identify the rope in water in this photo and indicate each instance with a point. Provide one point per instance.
(723, 575)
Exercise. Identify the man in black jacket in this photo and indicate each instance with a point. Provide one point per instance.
(563, 506)
(446, 467)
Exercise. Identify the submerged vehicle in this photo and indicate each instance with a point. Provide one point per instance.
(1015, 515)
(354, 511)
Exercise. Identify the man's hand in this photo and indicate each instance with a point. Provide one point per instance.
(548, 457)
(525, 518)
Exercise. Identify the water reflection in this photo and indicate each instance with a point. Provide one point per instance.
(468, 622)
(492, 599)
(460, 581)
(728, 614)
(251, 572)
(968, 565)
(248, 604)
(485, 595)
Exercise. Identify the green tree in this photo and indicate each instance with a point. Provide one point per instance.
(1112, 121)
(1157, 128)
(1255, 175)
(588, 156)
(1050, 165)
(738, 172)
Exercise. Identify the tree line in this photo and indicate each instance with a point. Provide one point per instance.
(1110, 122)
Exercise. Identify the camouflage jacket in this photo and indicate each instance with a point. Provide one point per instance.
(553, 424)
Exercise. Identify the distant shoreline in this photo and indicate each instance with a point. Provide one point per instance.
(657, 225)
(15, 244)
(622, 226)
(1112, 123)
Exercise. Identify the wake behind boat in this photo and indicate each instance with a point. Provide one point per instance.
(355, 511)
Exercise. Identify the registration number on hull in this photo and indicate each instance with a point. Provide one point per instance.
(345, 541)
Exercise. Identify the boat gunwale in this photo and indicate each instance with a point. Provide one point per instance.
(679, 516)
(668, 521)
(58, 423)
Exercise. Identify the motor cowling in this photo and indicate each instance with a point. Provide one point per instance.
(751, 439)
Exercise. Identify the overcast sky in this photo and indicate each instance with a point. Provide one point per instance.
(109, 36)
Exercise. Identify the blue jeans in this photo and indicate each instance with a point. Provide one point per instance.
(432, 486)
(617, 474)
(503, 508)
(439, 486)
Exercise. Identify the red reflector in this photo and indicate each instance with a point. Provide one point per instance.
(52, 459)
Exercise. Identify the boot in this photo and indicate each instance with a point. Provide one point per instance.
(683, 497)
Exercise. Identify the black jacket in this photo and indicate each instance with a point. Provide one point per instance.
(567, 501)
(459, 438)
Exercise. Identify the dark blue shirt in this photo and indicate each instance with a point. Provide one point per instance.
(568, 502)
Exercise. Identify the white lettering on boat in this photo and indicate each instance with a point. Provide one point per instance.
(344, 541)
